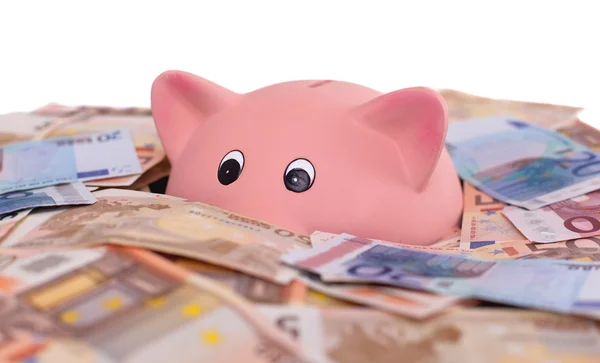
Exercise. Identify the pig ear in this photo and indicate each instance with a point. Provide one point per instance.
(181, 102)
(416, 120)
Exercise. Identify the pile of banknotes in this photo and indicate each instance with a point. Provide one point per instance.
(96, 265)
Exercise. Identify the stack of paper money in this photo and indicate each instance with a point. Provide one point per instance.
(94, 267)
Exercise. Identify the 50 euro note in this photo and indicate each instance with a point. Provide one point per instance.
(483, 222)
(166, 224)
(352, 335)
(24, 126)
(521, 164)
(560, 286)
(122, 304)
(463, 106)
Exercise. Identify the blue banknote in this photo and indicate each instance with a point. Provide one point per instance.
(562, 286)
(36, 164)
(52, 196)
(521, 163)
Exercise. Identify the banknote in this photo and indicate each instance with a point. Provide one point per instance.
(582, 133)
(9, 220)
(414, 304)
(63, 194)
(22, 126)
(34, 164)
(301, 323)
(253, 288)
(463, 106)
(124, 304)
(560, 286)
(147, 144)
(165, 224)
(494, 335)
(521, 164)
(568, 219)
(483, 222)
(583, 250)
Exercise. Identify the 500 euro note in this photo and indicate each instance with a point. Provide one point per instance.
(521, 164)
(165, 224)
(122, 304)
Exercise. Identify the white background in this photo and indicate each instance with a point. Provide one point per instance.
(109, 52)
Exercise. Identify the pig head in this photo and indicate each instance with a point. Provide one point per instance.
(312, 155)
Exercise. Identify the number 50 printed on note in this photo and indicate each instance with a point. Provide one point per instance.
(520, 163)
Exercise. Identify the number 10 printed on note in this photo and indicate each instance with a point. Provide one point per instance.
(520, 163)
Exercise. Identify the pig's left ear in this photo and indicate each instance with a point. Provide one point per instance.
(181, 102)
(416, 120)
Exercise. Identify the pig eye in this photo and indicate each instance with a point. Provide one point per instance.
(299, 175)
(231, 167)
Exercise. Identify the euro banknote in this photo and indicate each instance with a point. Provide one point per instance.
(9, 220)
(521, 164)
(35, 164)
(582, 133)
(63, 194)
(252, 288)
(483, 222)
(560, 286)
(463, 106)
(22, 126)
(568, 219)
(166, 224)
(413, 304)
(491, 335)
(120, 304)
(582, 250)
(148, 147)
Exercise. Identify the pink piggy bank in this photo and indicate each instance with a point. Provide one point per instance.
(313, 155)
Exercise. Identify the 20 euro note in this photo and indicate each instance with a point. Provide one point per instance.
(36, 164)
(568, 219)
(565, 286)
(121, 304)
(166, 224)
(521, 164)
(145, 138)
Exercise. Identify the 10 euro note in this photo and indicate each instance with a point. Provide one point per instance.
(560, 286)
(521, 164)
(166, 224)
(573, 218)
(36, 164)
(56, 195)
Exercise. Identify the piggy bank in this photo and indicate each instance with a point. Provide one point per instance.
(312, 155)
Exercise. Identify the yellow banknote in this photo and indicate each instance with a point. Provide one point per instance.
(165, 224)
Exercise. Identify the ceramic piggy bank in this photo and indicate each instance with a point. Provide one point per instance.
(313, 155)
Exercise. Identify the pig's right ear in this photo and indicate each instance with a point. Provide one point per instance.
(181, 102)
